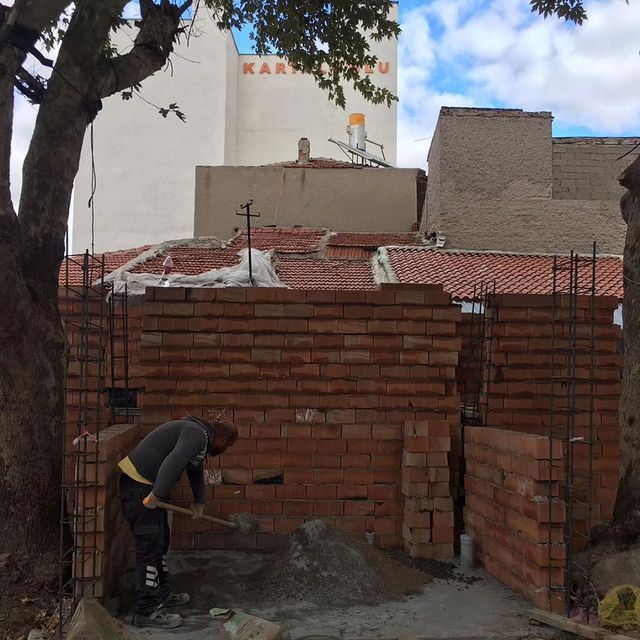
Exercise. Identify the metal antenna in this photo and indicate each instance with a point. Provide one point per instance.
(246, 212)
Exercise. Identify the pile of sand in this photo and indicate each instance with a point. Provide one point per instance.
(329, 568)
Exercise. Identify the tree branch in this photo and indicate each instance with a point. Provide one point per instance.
(52, 161)
(20, 29)
(31, 87)
(152, 46)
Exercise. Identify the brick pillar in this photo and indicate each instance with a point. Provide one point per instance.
(428, 508)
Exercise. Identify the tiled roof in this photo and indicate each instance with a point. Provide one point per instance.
(190, 260)
(459, 271)
(320, 259)
(373, 240)
(350, 253)
(316, 163)
(193, 258)
(283, 240)
(72, 267)
(305, 273)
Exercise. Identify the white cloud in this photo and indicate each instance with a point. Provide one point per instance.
(500, 54)
(472, 53)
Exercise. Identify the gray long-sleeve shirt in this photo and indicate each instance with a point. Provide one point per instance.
(170, 449)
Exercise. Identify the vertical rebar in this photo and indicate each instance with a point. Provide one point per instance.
(63, 449)
(98, 414)
(571, 424)
(590, 442)
(125, 345)
(76, 514)
(550, 496)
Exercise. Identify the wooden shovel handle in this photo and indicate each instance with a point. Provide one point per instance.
(187, 512)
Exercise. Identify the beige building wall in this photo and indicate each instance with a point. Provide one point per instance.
(359, 199)
(240, 110)
(499, 181)
(277, 106)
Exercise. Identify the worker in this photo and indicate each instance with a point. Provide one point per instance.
(149, 473)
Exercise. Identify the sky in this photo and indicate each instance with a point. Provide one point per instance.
(495, 54)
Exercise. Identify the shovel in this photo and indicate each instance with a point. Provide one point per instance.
(242, 522)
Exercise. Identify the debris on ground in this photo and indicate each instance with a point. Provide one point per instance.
(329, 568)
(621, 607)
(92, 622)
(615, 568)
(242, 626)
(27, 595)
(437, 569)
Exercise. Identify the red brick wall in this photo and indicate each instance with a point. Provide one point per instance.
(71, 310)
(108, 535)
(321, 385)
(508, 481)
(520, 390)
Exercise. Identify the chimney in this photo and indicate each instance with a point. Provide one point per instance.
(304, 150)
(357, 132)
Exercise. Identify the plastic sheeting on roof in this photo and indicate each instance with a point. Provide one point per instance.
(264, 275)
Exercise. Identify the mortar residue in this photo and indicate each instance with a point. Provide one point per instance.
(329, 568)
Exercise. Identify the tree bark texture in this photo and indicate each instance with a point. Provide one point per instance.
(627, 508)
(32, 372)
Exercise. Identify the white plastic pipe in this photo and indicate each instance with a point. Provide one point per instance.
(466, 551)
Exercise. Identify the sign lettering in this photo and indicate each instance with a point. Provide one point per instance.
(282, 69)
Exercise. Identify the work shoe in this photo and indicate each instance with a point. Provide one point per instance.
(177, 600)
(158, 619)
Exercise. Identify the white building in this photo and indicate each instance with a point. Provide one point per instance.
(241, 110)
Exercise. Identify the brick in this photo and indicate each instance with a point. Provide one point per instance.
(328, 508)
(290, 492)
(362, 446)
(301, 476)
(298, 508)
(350, 461)
(415, 519)
(296, 460)
(359, 476)
(330, 461)
(356, 431)
(386, 432)
(417, 445)
(414, 459)
(328, 476)
(332, 446)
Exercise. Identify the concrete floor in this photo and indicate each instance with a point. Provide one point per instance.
(445, 609)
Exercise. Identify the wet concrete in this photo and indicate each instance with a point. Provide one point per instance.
(454, 608)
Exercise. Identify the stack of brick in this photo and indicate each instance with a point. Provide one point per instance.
(513, 509)
(320, 384)
(428, 527)
(523, 396)
(105, 539)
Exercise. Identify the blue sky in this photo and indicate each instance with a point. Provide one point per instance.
(495, 53)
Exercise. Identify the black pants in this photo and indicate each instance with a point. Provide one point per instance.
(150, 529)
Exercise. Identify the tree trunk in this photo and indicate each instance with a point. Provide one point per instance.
(627, 511)
(32, 391)
(31, 397)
